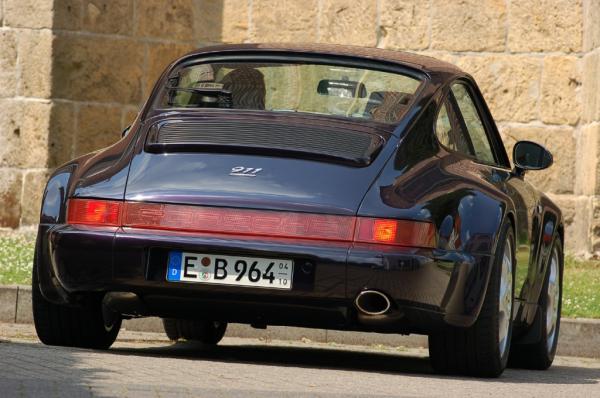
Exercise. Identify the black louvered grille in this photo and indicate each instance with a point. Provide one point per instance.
(346, 144)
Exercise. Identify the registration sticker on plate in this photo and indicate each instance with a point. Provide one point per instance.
(230, 270)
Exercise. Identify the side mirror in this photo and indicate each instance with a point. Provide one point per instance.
(125, 132)
(528, 155)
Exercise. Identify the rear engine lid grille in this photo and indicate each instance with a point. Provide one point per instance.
(274, 139)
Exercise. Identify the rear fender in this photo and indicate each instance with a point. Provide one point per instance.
(463, 200)
(550, 231)
(102, 174)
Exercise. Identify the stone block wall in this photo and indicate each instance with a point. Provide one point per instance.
(73, 73)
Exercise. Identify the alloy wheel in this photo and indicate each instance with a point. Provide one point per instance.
(553, 300)
(505, 298)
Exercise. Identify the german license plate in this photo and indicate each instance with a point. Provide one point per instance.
(230, 270)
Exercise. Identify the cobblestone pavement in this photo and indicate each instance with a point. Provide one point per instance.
(146, 364)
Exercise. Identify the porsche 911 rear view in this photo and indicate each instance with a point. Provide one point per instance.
(316, 186)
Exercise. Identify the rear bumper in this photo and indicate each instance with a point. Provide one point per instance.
(428, 288)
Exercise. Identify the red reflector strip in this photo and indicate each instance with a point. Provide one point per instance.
(238, 221)
(395, 232)
(265, 223)
(94, 212)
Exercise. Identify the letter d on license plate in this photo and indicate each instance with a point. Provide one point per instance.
(230, 270)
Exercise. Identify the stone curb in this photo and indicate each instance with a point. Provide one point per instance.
(578, 337)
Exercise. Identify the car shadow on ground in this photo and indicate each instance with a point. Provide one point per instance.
(353, 360)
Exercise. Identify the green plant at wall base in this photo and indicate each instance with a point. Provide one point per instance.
(581, 296)
(16, 257)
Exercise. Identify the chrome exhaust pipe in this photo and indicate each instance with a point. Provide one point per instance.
(372, 302)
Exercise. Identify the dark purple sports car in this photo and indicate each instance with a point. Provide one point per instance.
(317, 186)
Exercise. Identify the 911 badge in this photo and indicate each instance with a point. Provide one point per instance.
(241, 171)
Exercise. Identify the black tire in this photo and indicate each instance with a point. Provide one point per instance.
(71, 326)
(171, 329)
(206, 332)
(475, 351)
(538, 355)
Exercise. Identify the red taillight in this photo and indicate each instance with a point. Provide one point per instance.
(395, 232)
(251, 222)
(94, 212)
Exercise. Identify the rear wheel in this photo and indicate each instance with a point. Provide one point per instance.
(72, 326)
(482, 350)
(540, 355)
(206, 332)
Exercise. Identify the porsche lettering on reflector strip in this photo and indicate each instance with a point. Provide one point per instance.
(252, 223)
(238, 221)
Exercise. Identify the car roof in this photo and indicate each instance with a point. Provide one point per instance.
(423, 63)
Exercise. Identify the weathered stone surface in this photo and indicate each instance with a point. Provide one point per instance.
(234, 27)
(10, 197)
(108, 16)
(128, 117)
(404, 25)
(61, 133)
(510, 84)
(23, 133)
(595, 227)
(67, 14)
(209, 19)
(35, 46)
(468, 25)
(35, 120)
(33, 190)
(591, 86)
(561, 79)
(290, 21)
(560, 177)
(8, 84)
(166, 20)
(10, 134)
(8, 61)
(222, 21)
(87, 68)
(28, 13)
(98, 127)
(159, 57)
(38, 14)
(545, 25)
(8, 49)
(587, 166)
(591, 24)
(349, 22)
(577, 212)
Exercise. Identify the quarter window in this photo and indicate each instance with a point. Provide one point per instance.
(473, 124)
(449, 132)
(443, 129)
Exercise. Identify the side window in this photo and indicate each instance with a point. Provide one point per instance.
(449, 132)
(473, 124)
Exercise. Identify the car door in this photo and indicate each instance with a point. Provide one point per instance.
(473, 135)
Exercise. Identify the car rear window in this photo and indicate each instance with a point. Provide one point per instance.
(351, 92)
